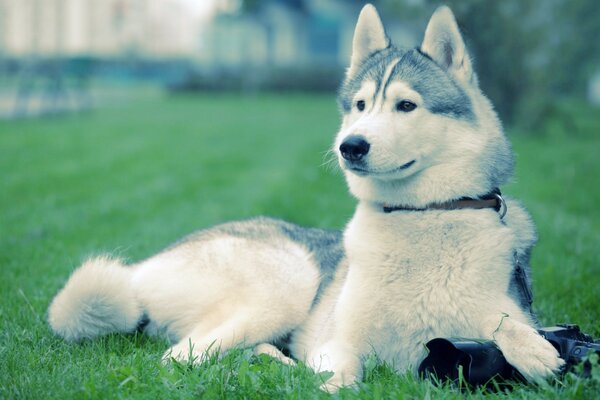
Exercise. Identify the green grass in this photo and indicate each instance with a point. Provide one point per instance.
(130, 179)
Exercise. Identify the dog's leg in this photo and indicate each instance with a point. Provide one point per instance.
(341, 353)
(199, 345)
(523, 347)
(202, 342)
(270, 350)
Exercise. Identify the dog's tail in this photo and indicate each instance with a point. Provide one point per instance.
(97, 299)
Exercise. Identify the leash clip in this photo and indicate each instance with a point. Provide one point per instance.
(502, 208)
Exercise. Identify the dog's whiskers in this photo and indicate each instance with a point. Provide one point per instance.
(329, 160)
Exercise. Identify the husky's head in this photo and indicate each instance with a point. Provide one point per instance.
(416, 128)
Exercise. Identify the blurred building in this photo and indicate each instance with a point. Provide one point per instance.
(283, 33)
(100, 28)
(278, 45)
(183, 44)
(273, 32)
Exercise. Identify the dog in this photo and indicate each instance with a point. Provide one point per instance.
(433, 250)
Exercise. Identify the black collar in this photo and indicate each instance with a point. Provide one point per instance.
(490, 200)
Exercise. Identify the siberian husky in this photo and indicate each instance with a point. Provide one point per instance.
(432, 250)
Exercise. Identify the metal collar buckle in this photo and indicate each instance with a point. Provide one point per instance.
(502, 209)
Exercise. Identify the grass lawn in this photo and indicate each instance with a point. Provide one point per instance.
(130, 179)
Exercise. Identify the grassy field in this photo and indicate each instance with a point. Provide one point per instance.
(131, 178)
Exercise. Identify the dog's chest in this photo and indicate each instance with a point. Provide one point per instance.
(416, 276)
(439, 254)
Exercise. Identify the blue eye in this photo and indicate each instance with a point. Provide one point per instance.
(360, 105)
(405, 106)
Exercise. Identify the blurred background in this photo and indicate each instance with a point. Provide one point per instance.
(67, 55)
(127, 124)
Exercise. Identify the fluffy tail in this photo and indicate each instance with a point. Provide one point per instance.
(97, 299)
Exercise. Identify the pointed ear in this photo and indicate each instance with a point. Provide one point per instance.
(369, 37)
(444, 44)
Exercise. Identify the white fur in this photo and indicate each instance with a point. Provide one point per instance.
(97, 299)
(235, 290)
(416, 276)
(203, 296)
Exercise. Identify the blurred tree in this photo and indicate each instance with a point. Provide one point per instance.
(254, 5)
(250, 6)
(504, 37)
(577, 51)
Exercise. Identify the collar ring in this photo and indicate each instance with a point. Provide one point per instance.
(502, 208)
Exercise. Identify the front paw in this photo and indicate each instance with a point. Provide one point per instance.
(532, 355)
(340, 360)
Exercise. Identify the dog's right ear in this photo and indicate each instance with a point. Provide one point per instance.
(369, 37)
(445, 45)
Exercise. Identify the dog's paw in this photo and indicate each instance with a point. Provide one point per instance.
(337, 381)
(339, 360)
(272, 351)
(532, 355)
(185, 352)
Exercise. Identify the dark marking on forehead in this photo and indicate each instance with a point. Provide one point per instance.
(373, 69)
(441, 94)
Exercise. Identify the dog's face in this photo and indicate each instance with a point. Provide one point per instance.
(414, 121)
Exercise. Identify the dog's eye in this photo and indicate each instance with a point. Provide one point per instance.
(360, 105)
(405, 106)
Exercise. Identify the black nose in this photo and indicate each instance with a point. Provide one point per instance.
(354, 148)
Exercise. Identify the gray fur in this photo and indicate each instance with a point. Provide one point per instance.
(520, 287)
(324, 245)
(442, 95)
(373, 68)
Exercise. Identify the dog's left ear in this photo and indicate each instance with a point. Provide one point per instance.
(444, 44)
(369, 37)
